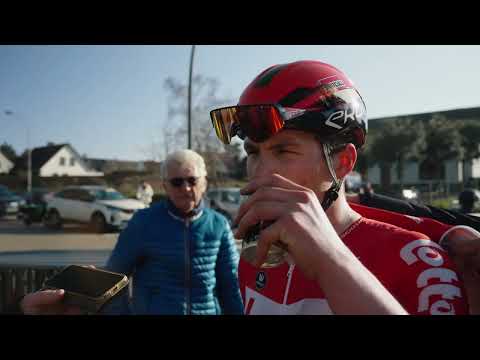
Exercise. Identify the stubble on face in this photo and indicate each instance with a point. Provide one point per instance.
(293, 154)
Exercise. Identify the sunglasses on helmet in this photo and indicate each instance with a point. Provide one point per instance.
(179, 181)
(328, 117)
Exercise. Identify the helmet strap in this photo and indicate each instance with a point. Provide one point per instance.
(332, 193)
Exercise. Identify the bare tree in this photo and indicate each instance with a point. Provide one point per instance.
(204, 140)
(162, 142)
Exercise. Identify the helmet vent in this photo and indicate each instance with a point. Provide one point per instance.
(295, 96)
(267, 77)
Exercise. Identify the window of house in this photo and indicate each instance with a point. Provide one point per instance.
(62, 161)
(72, 162)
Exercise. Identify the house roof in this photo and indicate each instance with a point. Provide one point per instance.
(5, 157)
(41, 155)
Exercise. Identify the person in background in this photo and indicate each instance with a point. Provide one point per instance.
(145, 193)
(467, 198)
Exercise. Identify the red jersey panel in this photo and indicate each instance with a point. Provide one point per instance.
(413, 268)
(432, 228)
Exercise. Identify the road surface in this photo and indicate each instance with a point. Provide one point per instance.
(16, 237)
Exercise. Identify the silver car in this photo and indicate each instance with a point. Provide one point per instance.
(225, 200)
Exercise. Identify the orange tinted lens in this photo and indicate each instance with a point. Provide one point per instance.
(257, 122)
(260, 122)
(222, 120)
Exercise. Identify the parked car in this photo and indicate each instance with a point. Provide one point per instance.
(410, 194)
(101, 207)
(353, 182)
(9, 202)
(225, 200)
(35, 206)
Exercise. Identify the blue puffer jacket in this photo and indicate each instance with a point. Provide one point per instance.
(178, 266)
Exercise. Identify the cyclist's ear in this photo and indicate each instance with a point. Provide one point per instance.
(345, 160)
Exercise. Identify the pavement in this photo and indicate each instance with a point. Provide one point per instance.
(15, 237)
(35, 245)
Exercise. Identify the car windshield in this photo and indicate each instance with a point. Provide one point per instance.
(231, 197)
(107, 194)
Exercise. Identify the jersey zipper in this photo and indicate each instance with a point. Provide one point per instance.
(289, 280)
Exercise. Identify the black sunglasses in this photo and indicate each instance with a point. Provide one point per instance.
(178, 181)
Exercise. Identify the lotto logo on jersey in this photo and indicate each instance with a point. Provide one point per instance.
(261, 280)
(436, 282)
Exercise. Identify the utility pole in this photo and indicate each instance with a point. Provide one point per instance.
(189, 115)
(29, 152)
(29, 176)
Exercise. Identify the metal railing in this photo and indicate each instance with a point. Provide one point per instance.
(25, 272)
(18, 281)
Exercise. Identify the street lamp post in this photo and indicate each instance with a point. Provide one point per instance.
(192, 53)
(29, 154)
(29, 151)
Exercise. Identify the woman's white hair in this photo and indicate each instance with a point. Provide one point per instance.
(185, 158)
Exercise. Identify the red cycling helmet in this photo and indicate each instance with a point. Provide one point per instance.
(304, 95)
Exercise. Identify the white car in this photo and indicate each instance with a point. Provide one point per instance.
(101, 207)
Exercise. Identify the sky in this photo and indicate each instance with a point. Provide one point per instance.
(110, 101)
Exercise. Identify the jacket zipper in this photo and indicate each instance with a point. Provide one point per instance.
(289, 280)
(187, 268)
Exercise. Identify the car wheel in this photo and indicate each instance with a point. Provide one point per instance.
(53, 220)
(98, 223)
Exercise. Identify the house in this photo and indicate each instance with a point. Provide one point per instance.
(56, 160)
(454, 171)
(5, 164)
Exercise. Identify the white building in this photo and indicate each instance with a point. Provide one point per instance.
(454, 171)
(5, 164)
(411, 173)
(58, 160)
